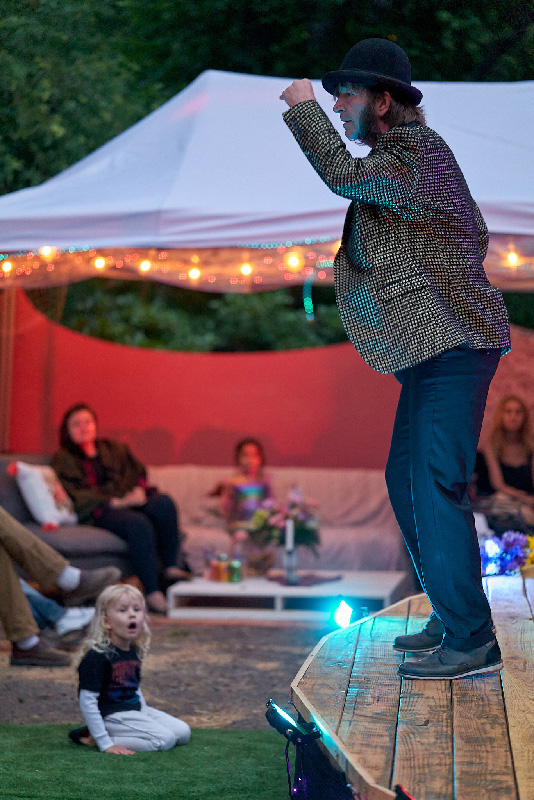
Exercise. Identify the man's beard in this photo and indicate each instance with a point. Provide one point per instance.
(368, 131)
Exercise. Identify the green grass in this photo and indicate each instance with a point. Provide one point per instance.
(37, 762)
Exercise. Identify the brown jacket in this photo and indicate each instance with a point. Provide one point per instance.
(409, 276)
(123, 470)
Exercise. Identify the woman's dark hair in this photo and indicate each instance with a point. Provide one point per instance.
(242, 444)
(64, 436)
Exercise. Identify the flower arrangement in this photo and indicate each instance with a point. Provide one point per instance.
(268, 524)
(506, 555)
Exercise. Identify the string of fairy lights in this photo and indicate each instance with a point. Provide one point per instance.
(251, 266)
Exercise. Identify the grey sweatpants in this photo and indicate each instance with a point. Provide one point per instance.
(147, 730)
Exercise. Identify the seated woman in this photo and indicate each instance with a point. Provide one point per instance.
(243, 494)
(108, 487)
(508, 454)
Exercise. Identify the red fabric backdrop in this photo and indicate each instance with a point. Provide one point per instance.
(316, 407)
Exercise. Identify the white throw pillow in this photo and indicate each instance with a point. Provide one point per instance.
(38, 485)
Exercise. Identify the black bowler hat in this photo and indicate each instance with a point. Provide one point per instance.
(376, 62)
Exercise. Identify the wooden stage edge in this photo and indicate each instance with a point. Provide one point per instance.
(467, 739)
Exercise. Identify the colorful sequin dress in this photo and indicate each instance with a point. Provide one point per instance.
(243, 499)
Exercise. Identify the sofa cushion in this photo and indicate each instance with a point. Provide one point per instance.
(81, 540)
(11, 499)
(39, 485)
(345, 496)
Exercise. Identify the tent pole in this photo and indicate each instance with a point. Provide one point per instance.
(7, 336)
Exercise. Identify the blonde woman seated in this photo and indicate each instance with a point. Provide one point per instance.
(508, 453)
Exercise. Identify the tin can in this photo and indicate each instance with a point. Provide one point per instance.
(234, 571)
(223, 567)
(214, 570)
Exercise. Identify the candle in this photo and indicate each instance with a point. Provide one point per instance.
(290, 535)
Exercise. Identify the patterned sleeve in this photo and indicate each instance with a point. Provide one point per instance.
(380, 178)
(483, 235)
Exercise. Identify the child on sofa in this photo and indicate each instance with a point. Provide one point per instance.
(244, 493)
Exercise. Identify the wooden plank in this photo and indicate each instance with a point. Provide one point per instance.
(310, 684)
(420, 607)
(423, 757)
(360, 781)
(512, 616)
(481, 746)
(399, 609)
(368, 722)
(424, 749)
(324, 676)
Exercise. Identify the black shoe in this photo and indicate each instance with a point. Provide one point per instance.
(447, 664)
(426, 641)
(79, 733)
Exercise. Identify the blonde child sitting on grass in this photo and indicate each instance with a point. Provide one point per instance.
(118, 720)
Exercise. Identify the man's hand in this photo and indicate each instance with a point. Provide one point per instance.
(298, 92)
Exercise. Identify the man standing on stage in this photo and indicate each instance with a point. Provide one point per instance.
(415, 301)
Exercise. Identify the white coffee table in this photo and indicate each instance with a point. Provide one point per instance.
(224, 598)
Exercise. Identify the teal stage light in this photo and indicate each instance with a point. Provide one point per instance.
(343, 614)
(298, 733)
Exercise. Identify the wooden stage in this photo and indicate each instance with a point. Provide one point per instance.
(468, 739)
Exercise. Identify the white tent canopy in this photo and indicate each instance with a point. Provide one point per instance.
(216, 167)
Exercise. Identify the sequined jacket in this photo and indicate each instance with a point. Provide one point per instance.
(408, 274)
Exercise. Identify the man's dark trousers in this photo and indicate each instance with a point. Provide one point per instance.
(431, 459)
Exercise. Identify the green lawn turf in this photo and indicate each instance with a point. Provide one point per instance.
(37, 762)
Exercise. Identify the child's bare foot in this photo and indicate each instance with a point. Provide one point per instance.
(82, 736)
(88, 741)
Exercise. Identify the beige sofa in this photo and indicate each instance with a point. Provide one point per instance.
(358, 528)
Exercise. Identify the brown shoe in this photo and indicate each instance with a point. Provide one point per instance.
(92, 581)
(40, 655)
(69, 641)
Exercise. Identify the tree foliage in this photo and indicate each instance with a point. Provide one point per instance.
(171, 318)
(66, 86)
(520, 308)
(445, 40)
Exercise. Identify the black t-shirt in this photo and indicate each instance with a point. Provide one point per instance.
(518, 477)
(115, 675)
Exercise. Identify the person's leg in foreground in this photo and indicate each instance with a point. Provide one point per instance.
(42, 563)
(431, 460)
